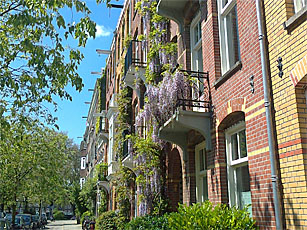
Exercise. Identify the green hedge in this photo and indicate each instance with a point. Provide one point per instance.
(148, 223)
(205, 216)
(195, 217)
(107, 221)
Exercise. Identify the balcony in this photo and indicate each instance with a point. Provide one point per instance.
(173, 10)
(113, 167)
(127, 158)
(134, 66)
(103, 134)
(112, 106)
(200, 99)
(193, 113)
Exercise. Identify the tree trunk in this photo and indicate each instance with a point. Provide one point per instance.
(2, 207)
(26, 210)
(13, 213)
(40, 209)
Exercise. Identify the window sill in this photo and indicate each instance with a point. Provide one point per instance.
(296, 19)
(228, 74)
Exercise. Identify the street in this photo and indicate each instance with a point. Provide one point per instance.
(64, 225)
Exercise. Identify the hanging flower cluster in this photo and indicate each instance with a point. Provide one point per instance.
(163, 98)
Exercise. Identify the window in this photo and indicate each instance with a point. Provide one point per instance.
(83, 159)
(196, 48)
(82, 181)
(201, 173)
(229, 34)
(118, 47)
(197, 56)
(237, 167)
(144, 44)
(299, 4)
(128, 20)
(110, 155)
(136, 48)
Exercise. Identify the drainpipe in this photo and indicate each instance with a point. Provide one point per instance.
(268, 113)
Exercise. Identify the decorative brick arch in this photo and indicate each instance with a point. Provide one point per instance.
(233, 105)
(299, 71)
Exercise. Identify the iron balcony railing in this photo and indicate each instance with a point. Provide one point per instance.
(134, 55)
(200, 93)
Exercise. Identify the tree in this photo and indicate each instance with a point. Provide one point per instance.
(32, 160)
(88, 194)
(71, 177)
(34, 64)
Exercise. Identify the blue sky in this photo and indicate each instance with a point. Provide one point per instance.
(70, 113)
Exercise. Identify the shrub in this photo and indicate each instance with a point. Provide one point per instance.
(148, 223)
(86, 214)
(106, 221)
(205, 216)
(58, 215)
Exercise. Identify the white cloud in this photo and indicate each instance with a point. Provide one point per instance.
(102, 31)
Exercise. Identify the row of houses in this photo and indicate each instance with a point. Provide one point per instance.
(239, 134)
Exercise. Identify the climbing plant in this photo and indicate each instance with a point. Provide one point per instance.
(164, 87)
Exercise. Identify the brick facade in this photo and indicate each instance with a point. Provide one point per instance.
(233, 101)
(287, 38)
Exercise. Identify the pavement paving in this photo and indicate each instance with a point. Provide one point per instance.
(63, 225)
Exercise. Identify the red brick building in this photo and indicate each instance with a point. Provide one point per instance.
(223, 153)
(218, 143)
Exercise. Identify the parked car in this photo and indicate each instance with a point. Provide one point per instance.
(35, 222)
(4, 224)
(44, 219)
(27, 220)
(19, 223)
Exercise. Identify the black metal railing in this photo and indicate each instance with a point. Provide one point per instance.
(134, 55)
(200, 94)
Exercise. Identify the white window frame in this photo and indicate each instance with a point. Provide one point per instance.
(200, 174)
(82, 181)
(299, 5)
(144, 47)
(195, 47)
(232, 165)
(227, 58)
(110, 157)
(137, 58)
(196, 61)
(83, 162)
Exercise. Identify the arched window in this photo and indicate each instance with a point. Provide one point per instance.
(237, 167)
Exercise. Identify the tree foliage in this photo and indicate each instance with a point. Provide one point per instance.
(87, 196)
(35, 64)
(32, 162)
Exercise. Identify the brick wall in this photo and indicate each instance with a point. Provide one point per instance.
(290, 105)
(233, 101)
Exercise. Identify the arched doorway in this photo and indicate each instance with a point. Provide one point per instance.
(174, 179)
